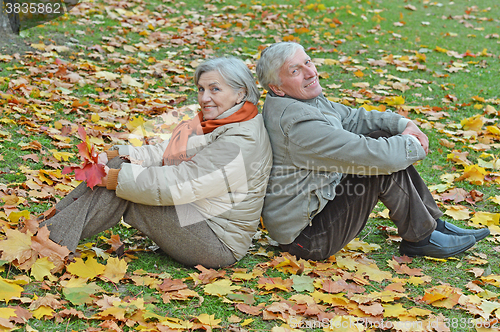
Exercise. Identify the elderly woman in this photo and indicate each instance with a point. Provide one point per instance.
(199, 195)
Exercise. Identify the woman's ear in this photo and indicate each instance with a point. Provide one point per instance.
(276, 89)
(241, 96)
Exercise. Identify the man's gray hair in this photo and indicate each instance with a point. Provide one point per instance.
(235, 73)
(272, 59)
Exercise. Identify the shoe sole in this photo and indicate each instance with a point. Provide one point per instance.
(458, 251)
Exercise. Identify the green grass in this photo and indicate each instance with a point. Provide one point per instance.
(353, 32)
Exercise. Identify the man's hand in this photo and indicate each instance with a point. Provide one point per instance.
(412, 129)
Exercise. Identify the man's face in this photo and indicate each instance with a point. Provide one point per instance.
(299, 78)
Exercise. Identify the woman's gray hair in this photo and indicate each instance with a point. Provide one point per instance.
(272, 59)
(235, 73)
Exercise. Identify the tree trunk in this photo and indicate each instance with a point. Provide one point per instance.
(9, 23)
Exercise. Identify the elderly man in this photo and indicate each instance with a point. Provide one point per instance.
(332, 163)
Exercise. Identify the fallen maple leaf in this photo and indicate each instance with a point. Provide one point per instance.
(78, 292)
(87, 270)
(458, 212)
(17, 246)
(41, 268)
(90, 171)
(474, 123)
(220, 287)
(115, 269)
(486, 218)
(9, 289)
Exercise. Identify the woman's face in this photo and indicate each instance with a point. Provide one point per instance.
(215, 96)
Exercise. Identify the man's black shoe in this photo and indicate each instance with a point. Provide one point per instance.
(449, 228)
(440, 245)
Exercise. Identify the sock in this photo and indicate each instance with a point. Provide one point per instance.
(440, 225)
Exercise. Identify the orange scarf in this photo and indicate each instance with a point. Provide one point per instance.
(175, 153)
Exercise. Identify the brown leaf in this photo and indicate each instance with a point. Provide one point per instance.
(375, 309)
(444, 142)
(169, 285)
(456, 195)
(49, 300)
(250, 310)
(31, 156)
(207, 275)
(48, 248)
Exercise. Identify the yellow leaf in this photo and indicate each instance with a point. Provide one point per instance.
(209, 320)
(96, 140)
(365, 247)
(60, 155)
(88, 269)
(495, 199)
(493, 130)
(95, 117)
(115, 269)
(7, 313)
(380, 108)
(474, 174)
(247, 322)
(43, 311)
(63, 139)
(16, 215)
(16, 246)
(63, 187)
(373, 272)
(220, 287)
(458, 212)
(396, 100)
(9, 290)
(135, 122)
(40, 46)
(346, 262)
(394, 310)
(474, 123)
(41, 268)
(135, 141)
(486, 218)
(116, 312)
(331, 62)
(440, 49)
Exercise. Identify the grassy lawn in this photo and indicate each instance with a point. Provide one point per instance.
(123, 70)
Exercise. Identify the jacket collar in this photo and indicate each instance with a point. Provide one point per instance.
(311, 101)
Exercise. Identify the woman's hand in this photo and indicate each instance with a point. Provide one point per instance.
(102, 158)
(412, 129)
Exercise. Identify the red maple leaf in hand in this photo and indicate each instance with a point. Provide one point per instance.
(90, 171)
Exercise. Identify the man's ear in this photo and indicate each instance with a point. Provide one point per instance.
(276, 89)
